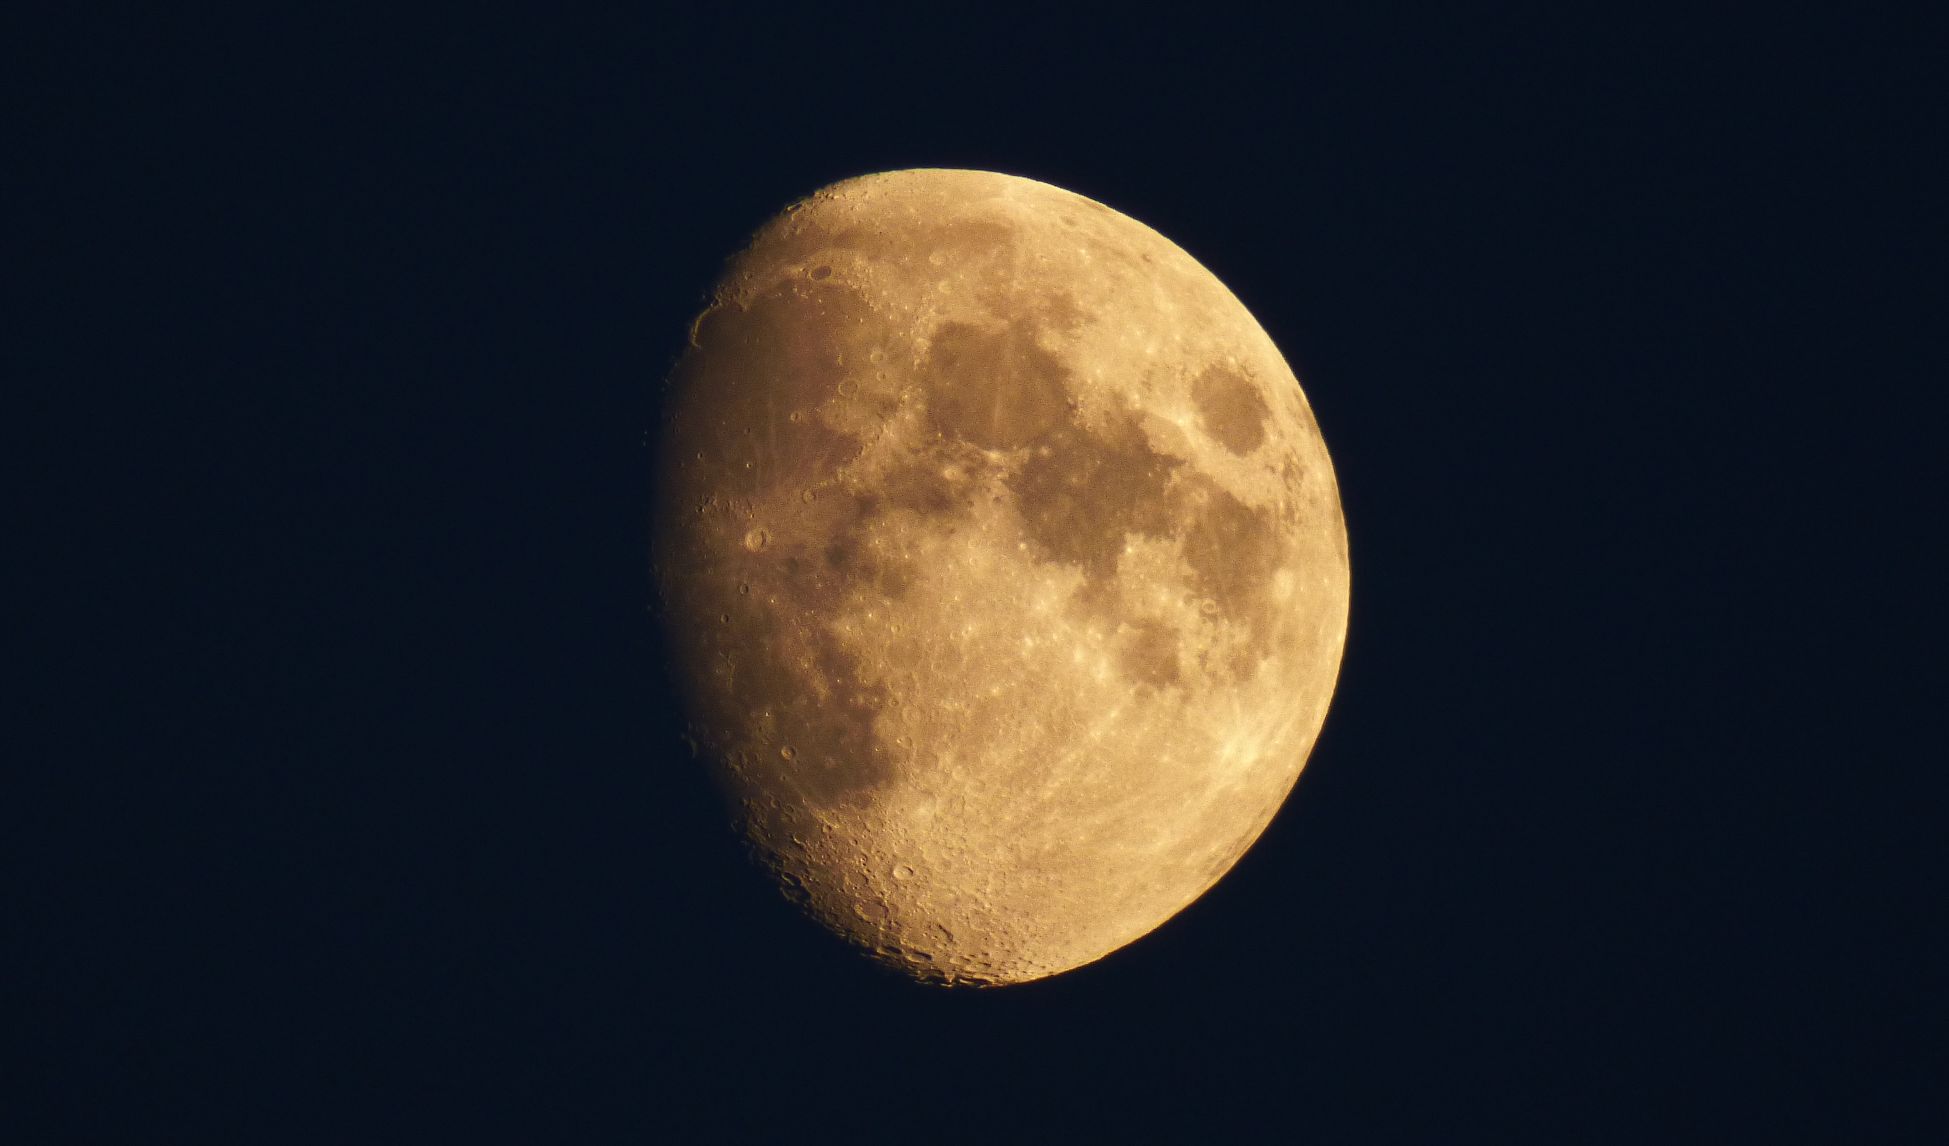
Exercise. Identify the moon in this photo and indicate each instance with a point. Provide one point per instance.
(1002, 565)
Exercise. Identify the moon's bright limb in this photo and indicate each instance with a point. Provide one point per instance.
(1004, 564)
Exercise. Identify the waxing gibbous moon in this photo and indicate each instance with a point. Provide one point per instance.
(1003, 567)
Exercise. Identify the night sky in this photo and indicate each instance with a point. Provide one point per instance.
(364, 816)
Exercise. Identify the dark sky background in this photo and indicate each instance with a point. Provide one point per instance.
(366, 819)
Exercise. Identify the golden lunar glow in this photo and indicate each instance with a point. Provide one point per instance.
(1003, 565)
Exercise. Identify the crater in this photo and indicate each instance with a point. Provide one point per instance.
(1230, 408)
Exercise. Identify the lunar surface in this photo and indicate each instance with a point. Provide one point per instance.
(1003, 566)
